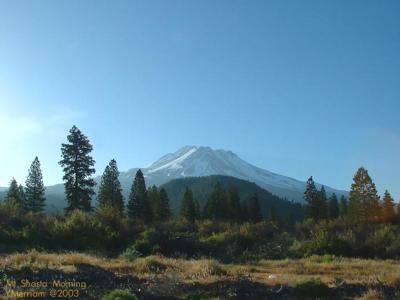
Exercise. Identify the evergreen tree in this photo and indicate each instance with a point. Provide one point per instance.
(343, 206)
(311, 200)
(234, 212)
(388, 214)
(188, 207)
(364, 200)
(13, 191)
(16, 193)
(197, 209)
(162, 211)
(152, 197)
(254, 210)
(110, 191)
(34, 191)
(216, 205)
(333, 207)
(138, 205)
(322, 204)
(78, 166)
(22, 197)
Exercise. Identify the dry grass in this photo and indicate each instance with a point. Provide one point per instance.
(351, 270)
(371, 294)
(267, 271)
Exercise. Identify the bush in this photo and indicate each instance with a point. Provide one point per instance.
(119, 295)
(79, 231)
(143, 247)
(345, 238)
(131, 253)
(312, 287)
(328, 258)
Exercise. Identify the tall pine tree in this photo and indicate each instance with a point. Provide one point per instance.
(388, 213)
(311, 200)
(161, 208)
(138, 205)
(110, 191)
(333, 207)
(322, 204)
(217, 204)
(343, 206)
(34, 190)
(188, 207)
(364, 200)
(78, 166)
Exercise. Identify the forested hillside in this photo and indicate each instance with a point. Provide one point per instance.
(202, 187)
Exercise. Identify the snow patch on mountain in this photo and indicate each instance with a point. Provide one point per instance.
(174, 164)
(193, 161)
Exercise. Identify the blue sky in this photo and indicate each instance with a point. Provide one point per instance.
(297, 87)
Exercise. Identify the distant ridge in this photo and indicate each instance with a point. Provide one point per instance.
(203, 186)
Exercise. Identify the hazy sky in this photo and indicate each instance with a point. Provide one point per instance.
(297, 87)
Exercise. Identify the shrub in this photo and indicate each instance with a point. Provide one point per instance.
(131, 253)
(78, 231)
(328, 258)
(143, 247)
(312, 287)
(119, 295)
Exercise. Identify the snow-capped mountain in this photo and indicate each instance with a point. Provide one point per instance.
(192, 161)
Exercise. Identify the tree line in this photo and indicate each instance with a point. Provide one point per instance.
(152, 204)
(144, 205)
(363, 205)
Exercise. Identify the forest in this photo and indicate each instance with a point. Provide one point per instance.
(225, 228)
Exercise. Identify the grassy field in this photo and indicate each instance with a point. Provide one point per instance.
(157, 277)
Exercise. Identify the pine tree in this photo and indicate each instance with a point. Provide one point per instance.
(188, 207)
(311, 200)
(138, 205)
(110, 191)
(364, 200)
(159, 203)
(34, 191)
(322, 205)
(78, 166)
(13, 191)
(161, 210)
(388, 213)
(152, 198)
(333, 207)
(217, 204)
(343, 206)
(233, 205)
(254, 210)
(16, 193)
(22, 196)
(197, 209)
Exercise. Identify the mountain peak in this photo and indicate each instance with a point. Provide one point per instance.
(197, 161)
